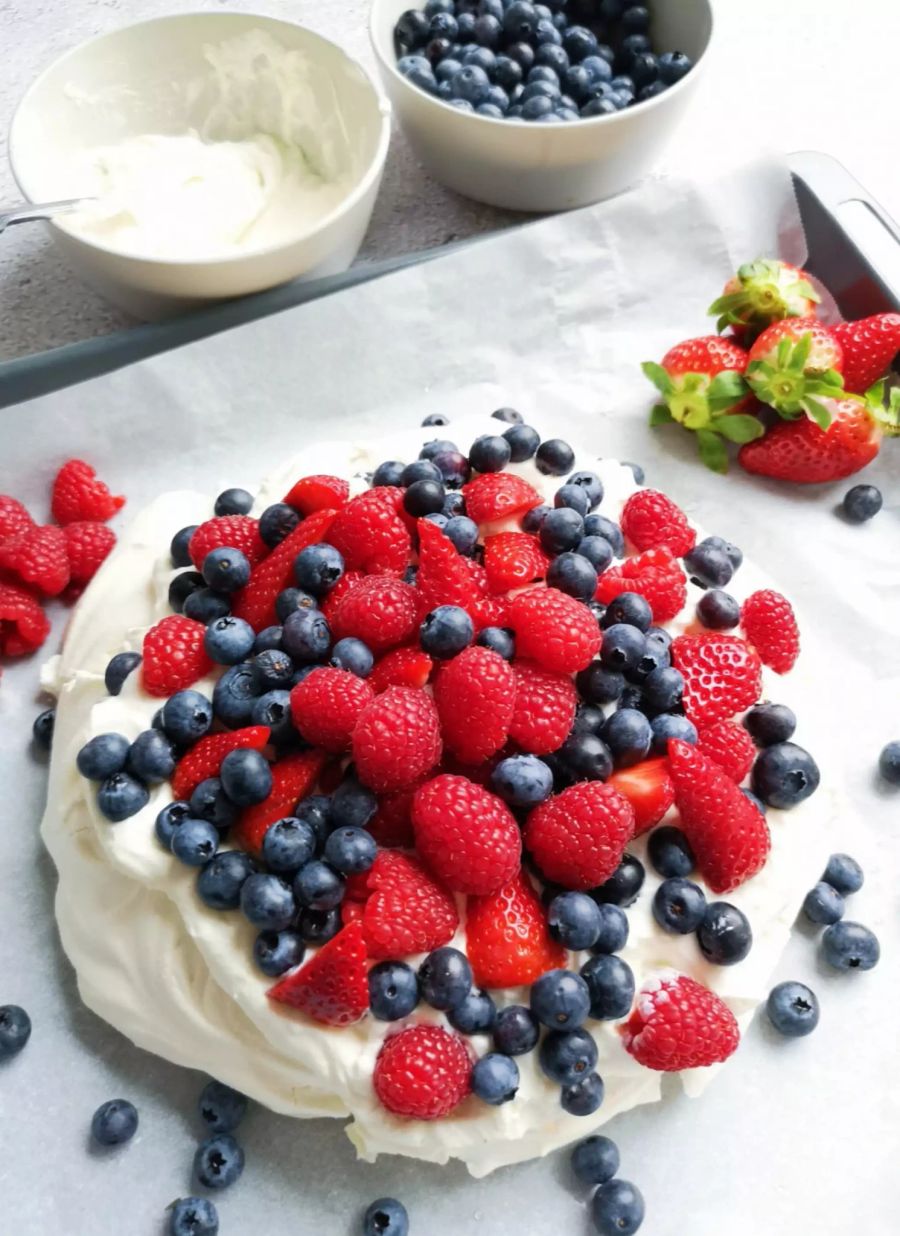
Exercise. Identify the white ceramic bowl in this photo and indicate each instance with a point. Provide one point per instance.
(531, 167)
(152, 77)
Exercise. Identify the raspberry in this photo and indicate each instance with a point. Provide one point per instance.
(728, 835)
(370, 533)
(256, 603)
(498, 495)
(329, 603)
(401, 667)
(512, 560)
(14, 519)
(422, 1072)
(332, 988)
(228, 532)
(205, 757)
(722, 675)
(444, 577)
(492, 612)
(475, 696)
(677, 1024)
(578, 837)
(467, 836)
(770, 626)
(293, 779)
(391, 825)
(650, 520)
(38, 557)
(544, 709)
(379, 610)
(408, 911)
(23, 624)
(655, 575)
(648, 788)
(87, 547)
(174, 656)
(397, 739)
(79, 495)
(318, 493)
(507, 941)
(730, 746)
(326, 705)
(555, 630)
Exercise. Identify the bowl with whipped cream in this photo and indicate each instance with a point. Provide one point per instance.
(220, 153)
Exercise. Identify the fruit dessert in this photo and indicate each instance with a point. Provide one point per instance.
(453, 792)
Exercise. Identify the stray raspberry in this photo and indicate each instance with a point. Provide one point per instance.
(23, 624)
(467, 836)
(554, 629)
(88, 545)
(78, 494)
(38, 557)
(722, 675)
(318, 493)
(174, 656)
(423, 1072)
(205, 757)
(370, 533)
(332, 988)
(655, 575)
(407, 910)
(498, 495)
(228, 532)
(650, 520)
(475, 697)
(578, 837)
(397, 739)
(730, 746)
(771, 627)
(14, 519)
(379, 610)
(677, 1024)
(544, 708)
(326, 705)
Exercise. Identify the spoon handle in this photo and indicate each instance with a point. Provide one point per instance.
(27, 212)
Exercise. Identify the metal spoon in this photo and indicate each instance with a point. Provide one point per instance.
(27, 212)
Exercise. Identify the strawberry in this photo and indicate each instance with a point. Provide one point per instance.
(205, 757)
(423, 1072)
(728, 834)
(444, 577)
(370, 533)
(794, 365)
(802, 452)
(544, 708)
(475, 697)
(730, 746)
(406, 910)
(79, 495)
(722, 675)
(870, 346)
(391, 825)
(256, 602)
(507, 940)
(23, 624)
(763, 292)
(769, 624)
(379, 610)
(88, 545)
(467, 836)
(293, 779)
(14, 519)
(650, 519)
(326, 705)
(397, 739)
(174, 656)
(401, 667)
(554, 629)
(318, 493)
(655, 575)
(228, 532)
(498, 495)
(648, 788)
(38, 557)
(512, 560)
(677, 1023)
(577, 838)
(332, 988)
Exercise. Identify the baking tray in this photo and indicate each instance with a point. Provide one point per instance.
(853, 244)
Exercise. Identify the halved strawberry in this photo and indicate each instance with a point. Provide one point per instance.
(205, 758)
(293, 778)
(318, 493)
(512, 560)
(444, 576)
(648, 788)
(256, 603)
(401, 667)
(332, 988)
(498, 495)
(507, 939)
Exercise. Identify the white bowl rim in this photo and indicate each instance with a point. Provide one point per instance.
(583, 121)
(373, 171)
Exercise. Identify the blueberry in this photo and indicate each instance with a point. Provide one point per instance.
(42, 727)
(599, 69)
(574, 920)
(462, 532)
(268, 902)
(599, 107)
(114, 1122)
(193, 1216)
(444, 26)
(292, 600)
(277, 522)
(522, 780)
(560, 999)
(579, 42)
(610, 10)
(273, 670)
(844, 874)
(757, 802)
(235, 694)
(679, 905)
(220, 881)
(631, 697)
(666, 727)
(306, 636)
(475, 1013)
(617, 1208)
(226, 569)
(103, 756)
(246, 777)
(612, 935)
(521, 53)
(561, 530)
(595, 1160)
(319, 926)
(784, 775)
(352, 805)
(533, 520)
(599, 525)
(628, 735)
(276, 952)
(523, 441)
(573, 574)
(194, 842)
(659, 637)
(317, 568)
(488, 31)
(220, 1108)
(495, 1078)
(850, 946)
(121, 796)
(673, 66)
(554, 457)
(178, 550)
(823, 904)
(430, 451)
(274, 710)
(206, 605)
(516, 1030)
(509, 416)
(568, 1055)
(623, 886)
(151, 758)
(584, 1097)
(168, 820)
(210, 802)
(610, 984)
(350, 850)
(288, 845)
(734, 555)
(386, 1217)
(768, 724)
(546, 33)
(636, 471)
(577, 81)
(183, 586)
(499, 640)
(417, 69)
(724, 935)
(588, 720)
(670, 853)
(520, 21)
(422, 470)
(318, 886)
(490, 453)
(793, 1009)
(219, 1161)
(15, 1030)
(861, 503)
(537, 106)
(454, 471)
(718, 610)
(445, 978)
(389, 473)
(572, 496)
(446, 631)
(663, 689)
(121, 665)
(454, 504)
(471, 85)
(708, 566)
(586, 757)
(393, 990)
(889, 763)
(424, 498)
(597, 551)
(599, 685)
(623, 646)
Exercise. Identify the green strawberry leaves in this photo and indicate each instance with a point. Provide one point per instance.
(703, 405)
(785, 385)
(765, 290)
(740, 428)
(712, 451)
(886, 415)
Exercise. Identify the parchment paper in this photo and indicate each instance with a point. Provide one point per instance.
(793, 1136)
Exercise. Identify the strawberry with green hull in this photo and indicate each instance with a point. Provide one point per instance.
(794, 366)
(871, 346)
(763, 292)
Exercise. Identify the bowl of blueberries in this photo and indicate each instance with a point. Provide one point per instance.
(540, 106)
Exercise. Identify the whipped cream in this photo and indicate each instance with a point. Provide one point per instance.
(178, 978)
